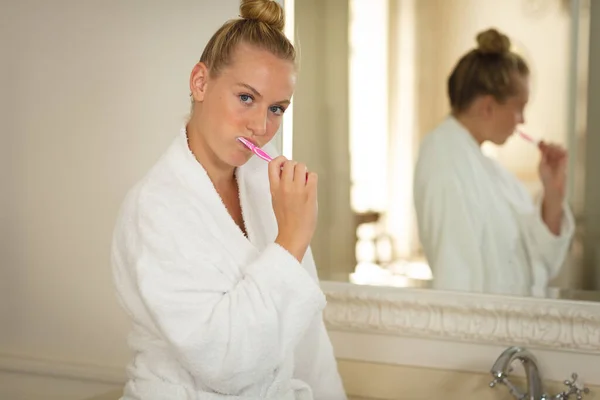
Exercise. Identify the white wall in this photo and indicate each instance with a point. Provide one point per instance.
(92, 92)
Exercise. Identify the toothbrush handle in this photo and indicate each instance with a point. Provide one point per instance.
(262, 154)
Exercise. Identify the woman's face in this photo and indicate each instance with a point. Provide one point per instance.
(246, 98)
(504, 117)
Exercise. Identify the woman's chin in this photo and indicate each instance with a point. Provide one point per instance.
(499, 141)
(239, 159)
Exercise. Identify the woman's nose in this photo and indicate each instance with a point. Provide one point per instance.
(258, 123)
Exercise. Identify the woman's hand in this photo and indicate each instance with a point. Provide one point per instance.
(294, 194)
(553, 171)
(553, 174)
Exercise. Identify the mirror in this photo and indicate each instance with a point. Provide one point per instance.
(372, 85)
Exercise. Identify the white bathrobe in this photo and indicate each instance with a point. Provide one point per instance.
(216, 315)
(479, 227)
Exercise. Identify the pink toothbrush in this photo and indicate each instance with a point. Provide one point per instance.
(258, 151)
(528, 138)
(255, 149)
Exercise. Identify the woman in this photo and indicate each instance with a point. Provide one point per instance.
(479, 228)
(211, 250)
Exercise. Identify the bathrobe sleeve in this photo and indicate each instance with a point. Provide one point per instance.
(547, 250)
(227, 331)
(315, 362)
(449, 231)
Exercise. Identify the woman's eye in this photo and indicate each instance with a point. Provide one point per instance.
(245, 98)
(277, 110)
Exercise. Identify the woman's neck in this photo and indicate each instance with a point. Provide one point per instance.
(220, 173)
(472, 125)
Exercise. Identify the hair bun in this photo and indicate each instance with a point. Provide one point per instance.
(268, 11)
(493, 42)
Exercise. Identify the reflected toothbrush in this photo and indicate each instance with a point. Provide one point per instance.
(528, 138)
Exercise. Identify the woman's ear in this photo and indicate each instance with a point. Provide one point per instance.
(199, 81)
(487, 106)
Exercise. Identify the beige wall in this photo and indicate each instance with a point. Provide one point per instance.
(95, 91)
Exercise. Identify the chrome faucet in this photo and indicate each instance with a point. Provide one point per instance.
(502, 367)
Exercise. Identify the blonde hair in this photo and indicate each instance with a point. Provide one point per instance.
(489, 69)
(261, 25)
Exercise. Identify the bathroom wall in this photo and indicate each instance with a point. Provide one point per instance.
(92, 92)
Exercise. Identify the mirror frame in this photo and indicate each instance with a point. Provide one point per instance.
(464, 317)
(461, 331)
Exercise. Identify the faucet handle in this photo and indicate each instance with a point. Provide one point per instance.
(501, 378)
(497, 380)
(575, 387)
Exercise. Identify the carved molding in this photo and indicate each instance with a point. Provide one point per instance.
(464, 317)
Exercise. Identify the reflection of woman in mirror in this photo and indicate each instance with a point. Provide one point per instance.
(478, 225)
(211, 250)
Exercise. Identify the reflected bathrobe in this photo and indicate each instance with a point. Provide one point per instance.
(216, 315)
(480, 229)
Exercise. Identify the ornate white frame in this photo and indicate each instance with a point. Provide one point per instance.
(465, 317)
